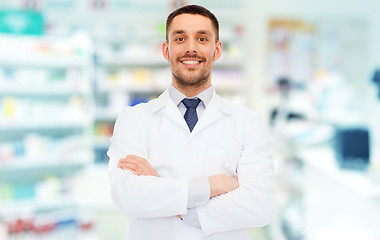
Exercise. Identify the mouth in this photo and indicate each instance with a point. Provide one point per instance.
(191, 63)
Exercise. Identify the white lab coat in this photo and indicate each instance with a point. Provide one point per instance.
(226, 140)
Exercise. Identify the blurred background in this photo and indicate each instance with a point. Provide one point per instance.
(67, 67)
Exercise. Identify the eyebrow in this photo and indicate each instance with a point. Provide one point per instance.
(178, 32)
(198, 32)
(204, 32)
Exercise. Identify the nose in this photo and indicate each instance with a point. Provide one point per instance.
(191, 47)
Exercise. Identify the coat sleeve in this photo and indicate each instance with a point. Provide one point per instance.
(141, 196)
(253, 203)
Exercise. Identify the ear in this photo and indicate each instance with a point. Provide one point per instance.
(218, 50)
(165, 50)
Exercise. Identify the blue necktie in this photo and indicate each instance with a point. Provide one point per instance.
(191, 117)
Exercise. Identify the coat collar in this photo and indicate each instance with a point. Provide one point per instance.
(215, 109)
(164, 101)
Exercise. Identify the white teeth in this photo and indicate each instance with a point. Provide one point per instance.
(190, 62)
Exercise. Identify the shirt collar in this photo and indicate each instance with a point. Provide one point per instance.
(177, 96)
(165, 101)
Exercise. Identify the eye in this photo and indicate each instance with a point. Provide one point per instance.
(179, 39)
(202, 39)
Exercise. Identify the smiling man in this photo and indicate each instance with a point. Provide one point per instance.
(192, 45)
(190, 165)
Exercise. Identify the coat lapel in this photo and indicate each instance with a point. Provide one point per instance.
(213, 112)
(169, 109)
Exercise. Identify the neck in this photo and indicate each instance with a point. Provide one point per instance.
(189, 90)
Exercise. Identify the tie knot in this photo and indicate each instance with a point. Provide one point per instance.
(191, 103)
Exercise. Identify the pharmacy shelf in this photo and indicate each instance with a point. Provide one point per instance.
(137, 90)
(143, 88)
(228, 64)
(108, 62)
(46, 90)
(42, 61)
(27, 171)
(29, 206)
(41, 125)
(234, 87)
(105, 115)
(102, 142)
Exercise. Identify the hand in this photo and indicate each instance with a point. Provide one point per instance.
(137, 165)
(221, 184)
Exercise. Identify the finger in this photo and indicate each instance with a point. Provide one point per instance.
(127, 165)
(135, 158)
(153, 172)
(144, 169)
(236, 182)
(143, 164)
(137, 166)
(148, 169)
(131, 167)
(134, 172)
(128, 159)
(133, 163)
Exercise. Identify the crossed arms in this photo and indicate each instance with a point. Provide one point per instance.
(219, 184)
(249, 201)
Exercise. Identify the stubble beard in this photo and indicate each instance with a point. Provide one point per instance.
(192, 79)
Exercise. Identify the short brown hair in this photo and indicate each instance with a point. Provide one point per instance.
(195, 10)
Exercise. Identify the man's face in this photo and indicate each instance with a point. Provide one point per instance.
(191, 49)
